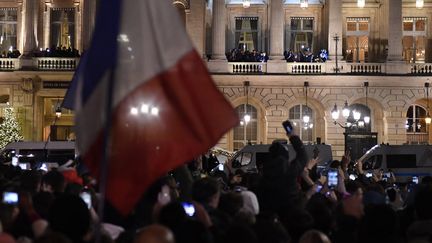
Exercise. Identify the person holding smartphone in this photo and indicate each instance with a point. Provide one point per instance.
(278, 188)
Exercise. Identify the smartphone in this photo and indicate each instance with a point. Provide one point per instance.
(10, 198)
(332, 178)
(24, 166)
(368, 175)
(287, 126)
(387, 175)
(14, 161)
(221, 167)
(352, 177)
(189, 208)
(319, 187)
(415, 180)
(86, 197)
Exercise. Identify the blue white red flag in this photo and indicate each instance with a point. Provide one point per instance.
(165, 107)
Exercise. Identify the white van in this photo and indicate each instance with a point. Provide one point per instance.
(38, 152)
(406, 161)
(251, 157)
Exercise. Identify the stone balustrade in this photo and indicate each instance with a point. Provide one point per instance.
(366, 68)
(247, 67)
(305, 68)
(9, 64)
(56, 63)
(424, 68)
(322, 68)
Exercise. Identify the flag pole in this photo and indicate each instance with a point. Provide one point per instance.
(104, 163)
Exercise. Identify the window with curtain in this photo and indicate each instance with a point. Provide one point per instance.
(296, 114)
(62, 27)
(415, 125)
(415, 122)
(246, 33)
(246, 132)
(357, 39)
(414, 39)
(8, 29)
(299, 35)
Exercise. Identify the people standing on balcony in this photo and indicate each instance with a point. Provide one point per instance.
(240, 55)
(305, 55)
(11, 53)
(59, 51)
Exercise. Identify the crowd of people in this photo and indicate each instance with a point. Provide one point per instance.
(12, 52)
(240, 55)
(305, 55)
(289, 200)
(59, 51)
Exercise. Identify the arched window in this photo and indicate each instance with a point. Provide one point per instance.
(305, 131)
(416, 125)
(246, 132)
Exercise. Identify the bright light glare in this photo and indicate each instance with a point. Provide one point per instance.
(306, 119)
(356, 115)
(123, 38)
(154, 111)
(247, 118)
(134, 111)
(145, 109)
(366, 119)
(419, 3)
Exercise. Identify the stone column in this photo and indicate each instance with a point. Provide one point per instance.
(395, 31)
(218, 29)
(195, 24)
(335, 28)
(276, 29)
(30, 26)
(88, 8)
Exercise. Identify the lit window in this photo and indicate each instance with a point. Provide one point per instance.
(414, 39)
(296, 114)
(246, 132)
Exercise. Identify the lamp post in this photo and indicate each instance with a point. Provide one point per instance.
(336, 38)
(307, 123)
(246, 3)
(346, 112)
(428, 119)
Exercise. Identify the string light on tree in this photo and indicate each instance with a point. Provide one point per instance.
(10, 130)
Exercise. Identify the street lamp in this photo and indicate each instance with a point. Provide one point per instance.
(428, 119)
(336, 38)
(366, 118)
(58, 111)
(246, 117)
(419, 3)
(304, 3)
(306, 118)
(346, 112)
(246, 3)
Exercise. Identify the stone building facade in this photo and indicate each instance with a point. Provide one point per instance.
(385, 43)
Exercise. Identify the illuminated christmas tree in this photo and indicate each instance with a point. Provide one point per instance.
(10, 130)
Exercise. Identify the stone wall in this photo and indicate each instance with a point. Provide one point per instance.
(273, 96)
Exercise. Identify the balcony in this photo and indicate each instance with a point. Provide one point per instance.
(424, 68)
(417, 138)
(56, 63)
(299, 68)
(305, 68)
(9, 64)
(247, 67)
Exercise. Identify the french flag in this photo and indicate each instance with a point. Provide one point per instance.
(165, 108)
